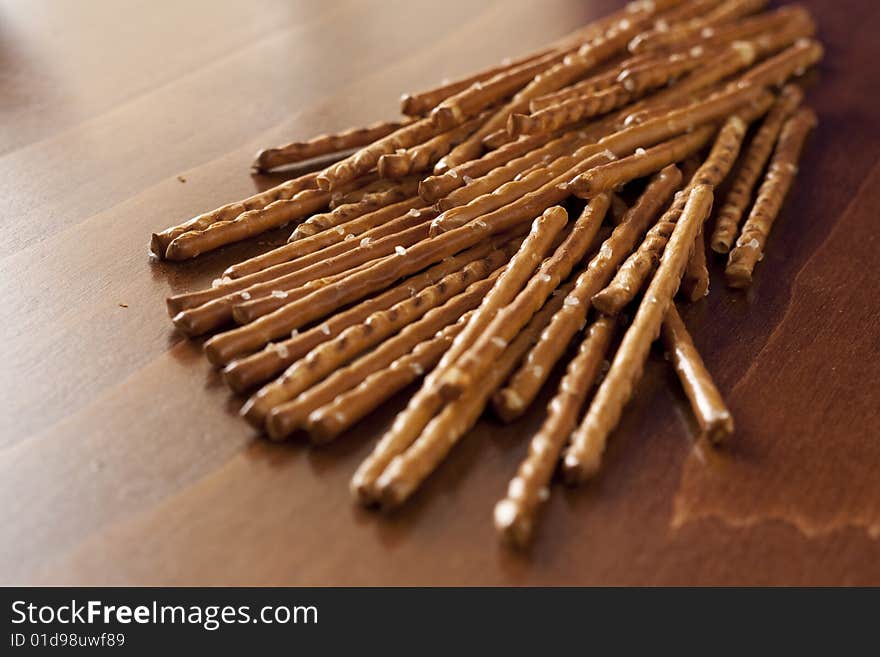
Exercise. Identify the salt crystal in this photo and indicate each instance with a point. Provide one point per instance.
(294, 333)
(245, 295)
(499, 342)
(217, 282)
(417, 369)
(629, 84)
(452, 173)
(755, 244)
(479, 223)
(640, 151)
(676, 57)
(325, 329)
(571, 301)
(414, 213)
(340, 230)
(661, 26)
(279, 294)
(707, 32)
(544, 278)
(517, 177)
(399, 250)
(538, 371)
(478, 85)
(696, 51)
(365, 242)
(282, 350)
(400, 151)
(467, 180)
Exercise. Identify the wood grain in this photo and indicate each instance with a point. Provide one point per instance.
(121, 458)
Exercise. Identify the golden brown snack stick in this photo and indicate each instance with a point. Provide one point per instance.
(517, 193)
(516, 514)
(791, 61)
(489, 185)
(695, 282)
(247, 372)
(290, 416)
(198, 320)
(569, 111)
(400, 478)
(423, 156)
(583, 456)
(644, 162)
(781, 172)
(510, 402)
(652, 74)
(340, 173)
(353, 341)
(435, 187)
(713, 416)
(227, 346)
(761, 29)
(342, 214)
(420, 104)
(725, 13)
(474, 364)
(425, 403)
(373, 221)
(496, 139)
(270, 158)
(247, 224)
(347, 408)
(285, 190)
(750, 169)
(634, 271)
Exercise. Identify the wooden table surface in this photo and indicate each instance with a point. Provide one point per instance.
(122, 460)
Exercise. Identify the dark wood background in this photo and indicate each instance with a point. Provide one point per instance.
(121, 458)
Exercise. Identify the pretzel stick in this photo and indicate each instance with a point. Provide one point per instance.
(695, 282)
(708, 406)
(246, 372)
(569, 111)
(518, 167)
(372, 185)
(342, 214)
(425, 403)
(290, 416)
(160, 241)
(791, 61)
(634, 271)
(330, 355)
(423, 156)
(420, 104)
(225, 347)
(477, 360)
(749, 247)
(583, 456)
(642, 163)
(496, 139)
(725, 13)
(303, 245)
(248, 224)
(406, 470)
(435, 187)
(347, 408)
(515, 515)
(522, 193)
(298, 151)
(510, 402)
(730, 214)
(366, 158)
(198, 320)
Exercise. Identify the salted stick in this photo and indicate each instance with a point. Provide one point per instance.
(695, 282)
(512, 400)
(781, 172)
(245, 373)
(642, 163)
(753, 162)
(583, 456)
(515, 515)
(478, 359)
(161, 240)
(635, 270)
(407, 470)
(248, 224)
(298, 151)
(344, 171)
(304, 390)
(348, 407)
(325, 357)
(426, 402)
(377, 223)
(712, 414)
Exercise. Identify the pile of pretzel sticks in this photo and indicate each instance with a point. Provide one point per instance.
(511, 214)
